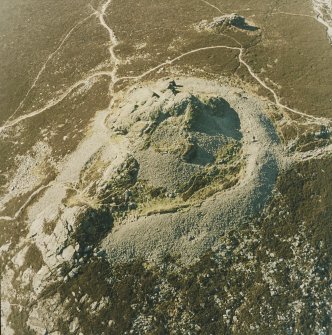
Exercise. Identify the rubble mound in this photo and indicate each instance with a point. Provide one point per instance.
(226, 21)
(185, 140)
(204, 150)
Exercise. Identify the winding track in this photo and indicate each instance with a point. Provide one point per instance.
(241, 60)
(112, 74)
(262, 167)
(213, 6)
(116, 62)
(49, 58)
(50, 203)
(24, 206)
(54, 102)
(112, 38)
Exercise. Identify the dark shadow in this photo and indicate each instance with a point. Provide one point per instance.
(202, 157)
(210, 123)
(94, 225)
(216, 117)
(240, 22)
(173, 86)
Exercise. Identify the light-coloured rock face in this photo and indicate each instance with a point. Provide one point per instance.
(323, 9)
(226, 21)
(68, 253)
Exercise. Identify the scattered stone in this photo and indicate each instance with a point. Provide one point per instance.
(68, 253)
(88, 248)
(73, 273)
(83, 299)
(73, 326)
(94, 305)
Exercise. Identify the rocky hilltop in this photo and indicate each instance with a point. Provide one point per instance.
(165, 168)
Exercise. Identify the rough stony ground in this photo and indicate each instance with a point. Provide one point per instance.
(195, 229)
(165, 167)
